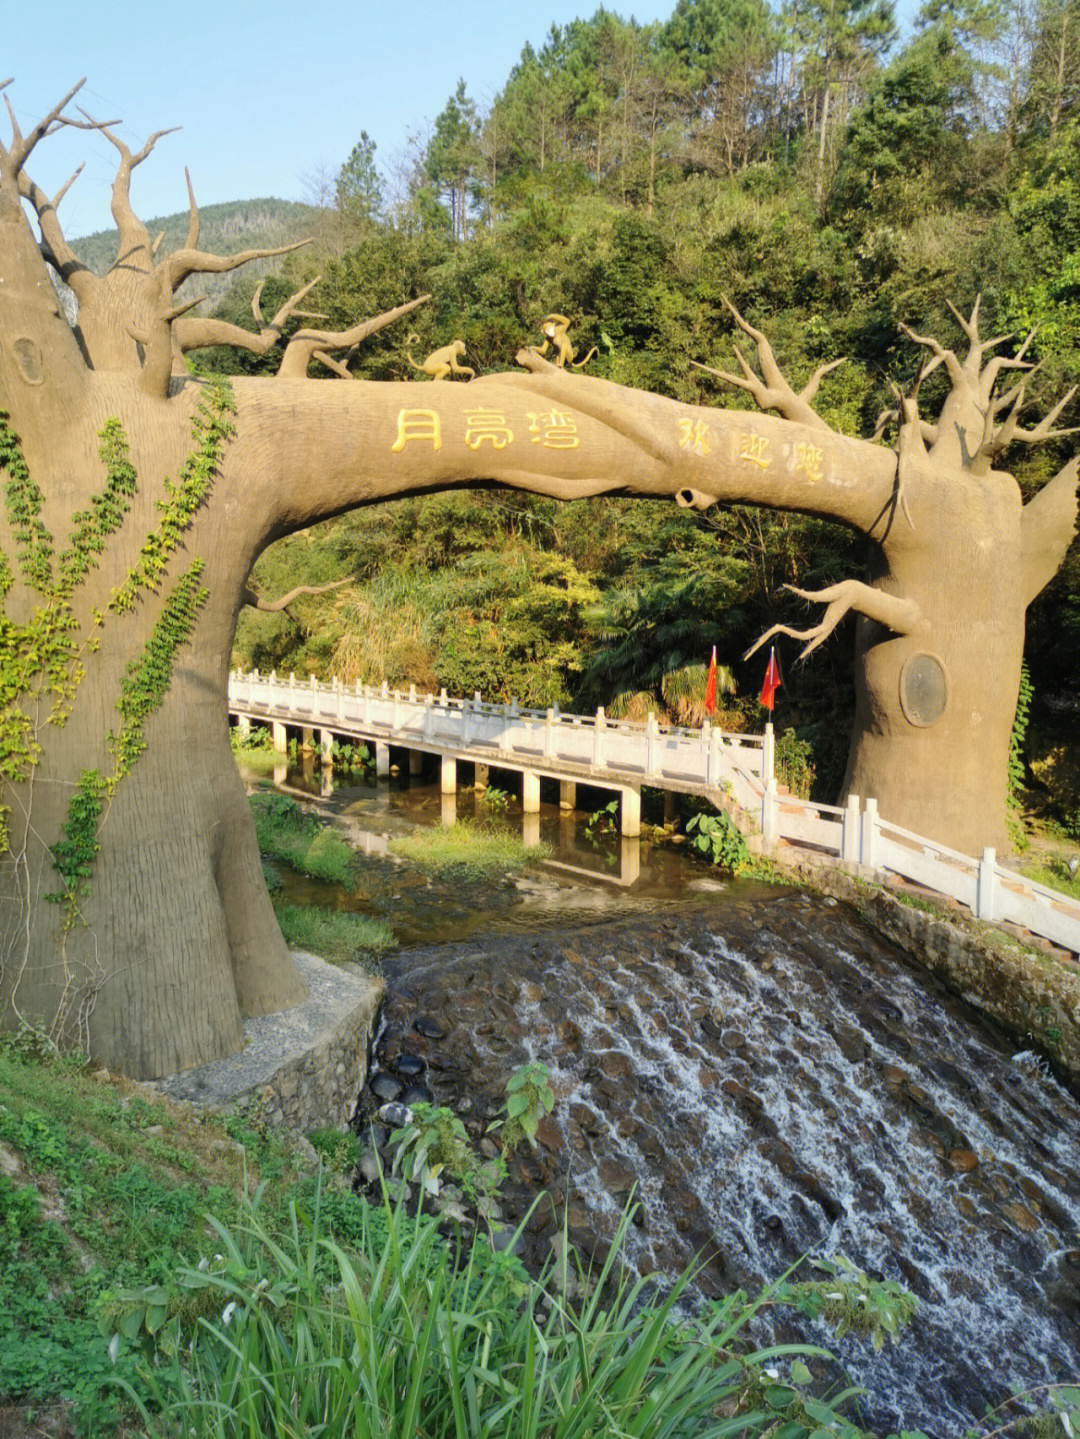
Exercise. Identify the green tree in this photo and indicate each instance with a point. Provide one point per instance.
(359, 188)
(453, 155)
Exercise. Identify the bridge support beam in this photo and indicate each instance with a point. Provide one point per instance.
(243, 724)
(281, 742)
(326, 746)
(630, 813)
(307, 740)
(449, 775)
(530, 792)
(567, 794)
(382, 760)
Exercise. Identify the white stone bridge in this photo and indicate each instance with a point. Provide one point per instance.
(732, 771)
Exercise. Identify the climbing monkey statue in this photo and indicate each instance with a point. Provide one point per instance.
(554, 330)
(441, 364)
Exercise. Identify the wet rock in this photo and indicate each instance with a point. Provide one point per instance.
(370, 1168)
(963, 1161)
(409, 1065)
(1022, 1217)
(417, 1094)
(395, 1115)
(374, 1135)
(386, 1087)
(429, 1028)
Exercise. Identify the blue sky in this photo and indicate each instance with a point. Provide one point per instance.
(267, 94)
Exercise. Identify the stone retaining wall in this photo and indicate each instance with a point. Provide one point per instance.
(1032, 994)
(303, 1068)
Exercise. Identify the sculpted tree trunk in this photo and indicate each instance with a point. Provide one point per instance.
(137, 500)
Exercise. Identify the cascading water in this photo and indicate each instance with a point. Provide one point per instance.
(777, 1083)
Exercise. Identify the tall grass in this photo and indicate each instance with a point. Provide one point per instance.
(467, 850)
(287, 832)
(335, 934)
(391, 1332)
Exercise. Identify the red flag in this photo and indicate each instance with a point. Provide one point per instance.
(772, 681)
(710, 686)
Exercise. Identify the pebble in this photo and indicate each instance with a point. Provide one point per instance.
(428, 1027)
(409, 1065)
(386, 1087)
(396, 1115)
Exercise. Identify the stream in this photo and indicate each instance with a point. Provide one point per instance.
(774, 1080)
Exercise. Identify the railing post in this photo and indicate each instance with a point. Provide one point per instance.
(442, 698)
(340, 703)
(549, 733)
(652, 735)
(986, 892)
(706, 745)
(849, 830)
(429, 716)
(504, 732)
(466, 722)
(768, 754)
(769, 816)
(514, 706)
(292, 693)
(395, 722)
(477, 701)
(599, 749)
(870, 838)
(314, 691)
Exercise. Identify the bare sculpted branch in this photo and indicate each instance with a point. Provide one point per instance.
(256, 601)
(899, 615)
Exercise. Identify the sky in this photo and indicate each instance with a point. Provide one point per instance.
(268, 95)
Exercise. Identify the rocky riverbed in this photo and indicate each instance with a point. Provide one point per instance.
(775, 1083)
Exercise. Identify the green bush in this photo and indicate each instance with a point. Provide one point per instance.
(717, 838)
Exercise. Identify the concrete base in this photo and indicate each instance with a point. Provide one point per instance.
(302, 1068)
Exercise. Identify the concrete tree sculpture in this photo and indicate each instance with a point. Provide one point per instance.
(136, 500)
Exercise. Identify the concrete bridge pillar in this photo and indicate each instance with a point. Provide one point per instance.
(281, 742)
(382, 759)
(326, 746)
(243, 724)
(530, 792)
(671, 806)
(449, 775)
(481, 778)
(530, 829)
(307, 740)
(449, 809)
(630, 813)
(567, 794)
(416, 762)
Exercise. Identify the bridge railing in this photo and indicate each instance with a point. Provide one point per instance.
(638, 750)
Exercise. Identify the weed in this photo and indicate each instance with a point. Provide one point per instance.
(337, 935)
(468, 851)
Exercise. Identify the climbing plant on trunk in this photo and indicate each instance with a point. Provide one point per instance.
(136, 500)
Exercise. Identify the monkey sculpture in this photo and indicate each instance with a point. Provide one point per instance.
(554, 331)
(441, 364)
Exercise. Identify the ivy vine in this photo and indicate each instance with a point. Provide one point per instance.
(41, 659)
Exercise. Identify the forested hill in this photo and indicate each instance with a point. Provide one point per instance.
(833, 180)
(224, 229)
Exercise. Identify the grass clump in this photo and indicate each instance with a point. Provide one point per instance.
(288, 832)
(337, 935)
(467, 851)
(1054, 874)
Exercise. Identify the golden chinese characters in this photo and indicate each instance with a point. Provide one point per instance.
(417, 425)
(555, 430)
